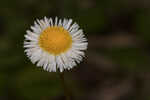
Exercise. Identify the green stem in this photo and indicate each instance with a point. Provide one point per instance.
(66, 90)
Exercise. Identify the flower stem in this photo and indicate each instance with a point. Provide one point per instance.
(66, 90)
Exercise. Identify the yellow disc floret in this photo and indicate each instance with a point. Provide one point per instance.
(55, 40)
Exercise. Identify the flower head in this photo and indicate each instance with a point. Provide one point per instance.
(55, 44)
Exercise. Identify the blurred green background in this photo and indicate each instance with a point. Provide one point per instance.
(117, 63)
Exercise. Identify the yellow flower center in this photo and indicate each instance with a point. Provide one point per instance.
(55, 40)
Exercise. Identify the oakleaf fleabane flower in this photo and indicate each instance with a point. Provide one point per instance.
(55, 45)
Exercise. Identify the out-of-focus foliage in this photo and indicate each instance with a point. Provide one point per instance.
(117, 63)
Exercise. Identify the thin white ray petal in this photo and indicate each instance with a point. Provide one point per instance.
(40, 24)
(30, 43)
(35, 30)
(56, 21)
(37, 27)
(68, 24)
(43, 24)
(29, 46)
(75, 25)
(59, 63)
(52, 63)
(51, 22)
(27, 37)
(65, 22)
(46, 21)
(31, 34)
(60, 23)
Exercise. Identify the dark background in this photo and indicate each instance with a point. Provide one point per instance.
(117, 63)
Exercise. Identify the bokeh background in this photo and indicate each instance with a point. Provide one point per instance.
(117, 63)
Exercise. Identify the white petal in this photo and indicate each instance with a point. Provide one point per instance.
(68, 24)
(65, 22)
(59, 63)
(46, 21)
(31, 34)
(51, 22)
(38, 28)
(52, 63)
(56, 21)
(75, 25)
(60, 23)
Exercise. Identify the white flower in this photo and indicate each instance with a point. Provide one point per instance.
(55, 45)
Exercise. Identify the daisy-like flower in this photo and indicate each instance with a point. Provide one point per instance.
(57, 44)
